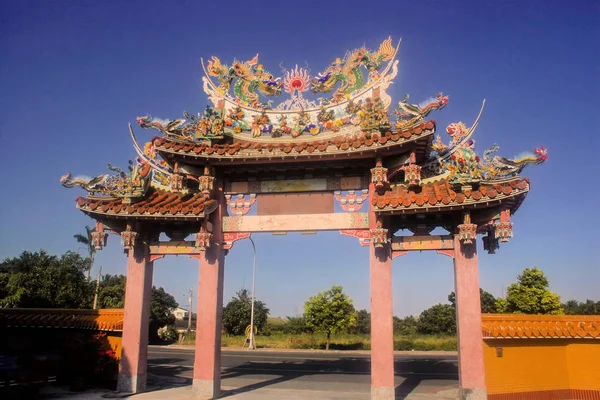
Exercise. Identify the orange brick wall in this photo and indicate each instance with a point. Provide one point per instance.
(541, 368)
(115, 341)
(583, 359)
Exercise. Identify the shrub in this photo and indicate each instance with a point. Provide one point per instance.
(168, 333)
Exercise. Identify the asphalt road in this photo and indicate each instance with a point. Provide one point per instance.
(338, 372)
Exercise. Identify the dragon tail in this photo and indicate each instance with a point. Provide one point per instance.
(386, 50)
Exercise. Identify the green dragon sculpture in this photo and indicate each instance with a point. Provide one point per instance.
(250, 78)
(123, 185)
(348, 71)
(465, 166)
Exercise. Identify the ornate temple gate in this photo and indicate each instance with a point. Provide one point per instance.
(289, 165)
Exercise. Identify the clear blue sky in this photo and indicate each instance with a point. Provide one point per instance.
(74, 73)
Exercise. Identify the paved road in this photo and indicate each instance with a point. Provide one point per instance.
(244, 371)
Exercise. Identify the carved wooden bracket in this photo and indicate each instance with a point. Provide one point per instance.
(176, 182)
(363, 235)
(230, 237)
(239, 205)
(504, 228)
(446, 252)
(379, 177)
(128, 238)
(99, 237)
(352, 202)
(154, 257)
(398, 253)
(467, 232)
(203, 238)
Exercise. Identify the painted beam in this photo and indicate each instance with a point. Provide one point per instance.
(291, 223)
(174, 247)
(406, 243)
(297, 185)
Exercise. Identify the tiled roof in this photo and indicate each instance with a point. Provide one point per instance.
(518, 326)
(156, 203)
(103, 320)
(340, 144)
(441, 193)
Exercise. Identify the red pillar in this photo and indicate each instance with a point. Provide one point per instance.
(207, 358)
(382, 328)
(382, 318)
(138, 290)
(471, 371)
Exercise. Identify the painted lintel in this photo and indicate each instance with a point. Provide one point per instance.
(174, 247)
(406, 243)
(292, 223)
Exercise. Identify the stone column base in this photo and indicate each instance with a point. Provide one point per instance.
(206, 389)
(472, 394)
(131, 384)
(383, 393)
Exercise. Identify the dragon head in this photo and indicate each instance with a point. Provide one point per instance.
(144, 121)
(267, 83)
(457, 130)
(542, 154)
(442, 101)
(65, 178)
(326, 80)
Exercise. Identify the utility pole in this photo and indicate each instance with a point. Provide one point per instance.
(97, 287)
(189, 329)
(252, 342)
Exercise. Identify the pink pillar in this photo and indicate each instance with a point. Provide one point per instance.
(471, 371)
(207, 358)
(382, 327)
(138, 290)
(382, 318)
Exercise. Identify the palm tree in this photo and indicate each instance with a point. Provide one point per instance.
(87, 240)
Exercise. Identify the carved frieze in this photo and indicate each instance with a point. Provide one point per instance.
(352, 201)
(239, 205)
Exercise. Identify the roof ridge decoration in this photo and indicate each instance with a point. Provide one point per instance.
(238, 112)
(143, 172)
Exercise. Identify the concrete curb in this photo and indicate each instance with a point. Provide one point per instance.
(302, 351)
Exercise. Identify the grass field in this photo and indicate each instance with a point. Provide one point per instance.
(338, 342)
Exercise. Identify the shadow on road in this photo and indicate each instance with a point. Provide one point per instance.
(415, 373)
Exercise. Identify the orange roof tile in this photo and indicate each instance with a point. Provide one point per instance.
(519, 326)
(441, 193)
(295, 148)
(102, 320)
(156, 203)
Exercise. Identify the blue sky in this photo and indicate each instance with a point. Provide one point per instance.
(74, 73)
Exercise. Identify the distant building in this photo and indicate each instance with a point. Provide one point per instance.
(181, 319)
(180, 313)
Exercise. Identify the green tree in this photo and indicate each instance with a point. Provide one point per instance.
(530, 295)
(405, 326)
(590, 307)
(363, 323)
(438, 320)
(237, 313)
(40, 280)
(87, 241)
(488, 301)
(111, 294)
(330, 312)
(162, 305)
(296, 326)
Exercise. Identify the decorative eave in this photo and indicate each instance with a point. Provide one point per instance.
(439, 195)
(418, 138)
(511, 326)
(157, 204)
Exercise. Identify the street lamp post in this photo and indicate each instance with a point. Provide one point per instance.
(252, 343)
